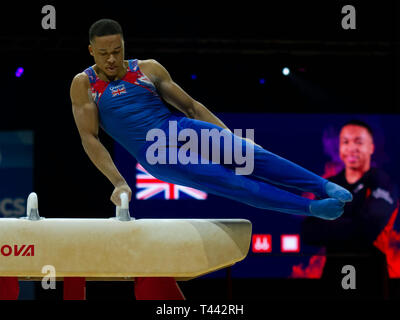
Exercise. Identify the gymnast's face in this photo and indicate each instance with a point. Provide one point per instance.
(356, 147)
(108, 53)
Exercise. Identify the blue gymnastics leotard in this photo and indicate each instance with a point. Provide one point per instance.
(130, 107)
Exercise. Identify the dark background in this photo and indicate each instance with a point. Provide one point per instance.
(229, 46)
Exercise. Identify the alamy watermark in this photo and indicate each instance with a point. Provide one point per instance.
(49, 280)
(349, 280)
(349, 20)
(198, 147)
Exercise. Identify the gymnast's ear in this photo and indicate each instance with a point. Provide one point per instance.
(91, 50)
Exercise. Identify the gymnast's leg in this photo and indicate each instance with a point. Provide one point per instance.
(220, 180)
(273, 168)
(277, 170)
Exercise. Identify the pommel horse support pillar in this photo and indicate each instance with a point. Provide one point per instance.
(119, 248)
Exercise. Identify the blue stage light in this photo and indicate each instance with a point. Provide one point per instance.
(19, 72)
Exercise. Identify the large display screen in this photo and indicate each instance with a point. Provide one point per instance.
(277, 249)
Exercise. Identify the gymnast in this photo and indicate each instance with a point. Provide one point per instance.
(126, 99)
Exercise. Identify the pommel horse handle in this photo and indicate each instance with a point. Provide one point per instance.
(32, 210)
(122, 212)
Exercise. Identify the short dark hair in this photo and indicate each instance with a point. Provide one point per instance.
(360, 123)
(104, 27)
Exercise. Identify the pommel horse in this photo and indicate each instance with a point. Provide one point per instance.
(119, 248)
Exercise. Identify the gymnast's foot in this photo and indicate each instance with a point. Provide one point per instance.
(328, 209)
(335, 191)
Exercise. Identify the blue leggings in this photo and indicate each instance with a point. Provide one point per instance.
(220, 179)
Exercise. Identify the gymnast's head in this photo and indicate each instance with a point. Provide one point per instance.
(107, 46)
(356, 145)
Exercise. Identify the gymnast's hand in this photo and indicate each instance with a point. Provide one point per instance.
(123, 187)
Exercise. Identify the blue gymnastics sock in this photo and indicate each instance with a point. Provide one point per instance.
(328, 209)
(335, 191)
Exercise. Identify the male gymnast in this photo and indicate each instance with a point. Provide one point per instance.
(126, 98)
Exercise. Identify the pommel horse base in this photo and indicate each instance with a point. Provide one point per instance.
(119, 248)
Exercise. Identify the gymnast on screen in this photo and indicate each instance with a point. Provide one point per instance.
(126, 98)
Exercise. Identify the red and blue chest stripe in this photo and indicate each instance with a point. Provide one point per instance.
(117, 88)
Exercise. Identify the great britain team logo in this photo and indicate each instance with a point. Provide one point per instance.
(118, 90)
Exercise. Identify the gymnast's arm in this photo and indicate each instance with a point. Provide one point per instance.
(175, 95)
(86, 119)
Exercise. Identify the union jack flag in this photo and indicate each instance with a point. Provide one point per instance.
(148, 187)
(118, 90)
